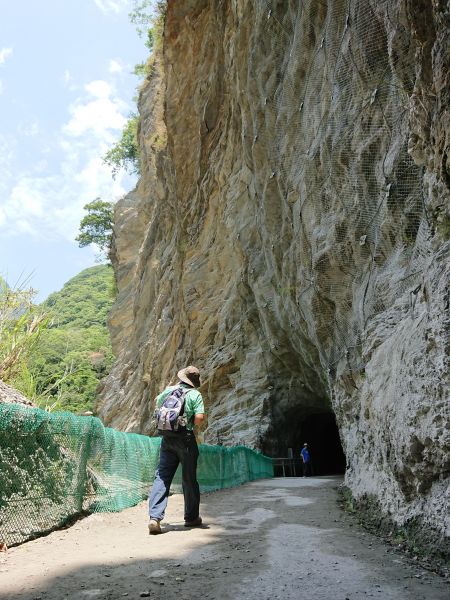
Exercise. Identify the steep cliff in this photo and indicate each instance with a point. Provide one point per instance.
(289, 236)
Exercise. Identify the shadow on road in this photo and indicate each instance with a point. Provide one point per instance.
(278, 538)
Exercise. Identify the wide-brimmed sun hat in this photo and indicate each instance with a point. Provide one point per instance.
(189, 375)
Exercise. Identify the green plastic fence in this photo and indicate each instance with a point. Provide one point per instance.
(53, 466)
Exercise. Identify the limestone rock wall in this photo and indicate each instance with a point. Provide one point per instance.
(290, 234)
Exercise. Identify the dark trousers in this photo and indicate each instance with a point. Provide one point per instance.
(306, 469)
(176, 449)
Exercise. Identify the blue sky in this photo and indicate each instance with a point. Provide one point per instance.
(66, 90)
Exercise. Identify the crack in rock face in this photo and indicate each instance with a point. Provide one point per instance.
(289, 236)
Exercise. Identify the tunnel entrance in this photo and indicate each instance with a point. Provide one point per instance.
(321, 434)
(319, 430)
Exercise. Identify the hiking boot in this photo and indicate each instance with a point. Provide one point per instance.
(195, 523)
(154, 527)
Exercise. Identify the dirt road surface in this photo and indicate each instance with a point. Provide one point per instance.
(270, 539)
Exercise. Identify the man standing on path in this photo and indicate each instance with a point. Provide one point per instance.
(306, 458)
(178, 409)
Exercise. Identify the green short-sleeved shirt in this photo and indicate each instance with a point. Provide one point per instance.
(193, 404)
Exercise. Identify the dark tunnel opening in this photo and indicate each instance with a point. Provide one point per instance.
(320, 431)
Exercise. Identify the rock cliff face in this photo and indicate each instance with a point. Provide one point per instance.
(290, 236)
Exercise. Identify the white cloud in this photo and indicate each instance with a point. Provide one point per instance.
(115, 66)
(30, 129)
(40, 166)
(26, 208)
(67, 77)
(99, 88)
(4, 54)
(46, 206)
(98, 114)
(8, 145)
(28, 197)
(115, 6)
(69, 81)
(52, 206)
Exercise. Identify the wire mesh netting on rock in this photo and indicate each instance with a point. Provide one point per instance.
(335, 126)
(54, 466)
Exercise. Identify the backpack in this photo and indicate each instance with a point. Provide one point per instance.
(170, 415)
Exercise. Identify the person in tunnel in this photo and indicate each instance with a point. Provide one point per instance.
(306, 460)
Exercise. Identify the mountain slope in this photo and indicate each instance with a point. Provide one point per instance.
(74, 353)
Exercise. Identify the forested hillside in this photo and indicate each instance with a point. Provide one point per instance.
(85, 300)
(74, 352)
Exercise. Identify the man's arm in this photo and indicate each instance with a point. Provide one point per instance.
(199, 418)
(198, 409)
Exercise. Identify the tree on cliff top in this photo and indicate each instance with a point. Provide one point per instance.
(142, 16)
(125, 154)
(96, 226)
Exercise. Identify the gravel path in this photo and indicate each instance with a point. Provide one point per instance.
(271, 539)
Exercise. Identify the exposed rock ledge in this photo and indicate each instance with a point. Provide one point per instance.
(9, 395)
(289, 235)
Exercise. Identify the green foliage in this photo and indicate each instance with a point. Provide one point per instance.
(148, 17)
(96, 226)
(140, 70)
(56, 353)
(74, 353)
(84, 301)
(21, 325)
(142, 17)
(68, 366)
(124, 154)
